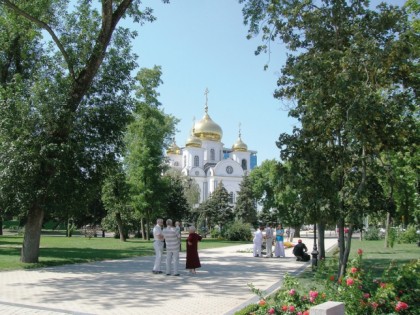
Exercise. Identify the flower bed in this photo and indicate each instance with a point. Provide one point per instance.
(396, 292)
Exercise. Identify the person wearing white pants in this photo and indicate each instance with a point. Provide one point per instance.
(279, 248)
(269, 241)
(172, 239)
(158, 245)
(258, 240)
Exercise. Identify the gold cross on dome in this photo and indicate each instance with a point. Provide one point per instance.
(206, 93)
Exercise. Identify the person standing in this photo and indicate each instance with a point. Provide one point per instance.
(158, 245)
(279, 248)
(172, 240)
(269, 240)
(193, 261)
(300, 250)
(258, 240)
(178, 230)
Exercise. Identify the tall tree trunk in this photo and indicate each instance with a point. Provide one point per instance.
(346, 254)
(341, 246)
(120, 227)
(321, 240)
(32, 236)
(1, 224)
(143, 235)
(387, 224)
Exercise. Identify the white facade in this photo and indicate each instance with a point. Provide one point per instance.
(205, 160)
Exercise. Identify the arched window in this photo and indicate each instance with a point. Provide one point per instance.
(196, 161)
(212, 155)
(244, 165)
(230, 199)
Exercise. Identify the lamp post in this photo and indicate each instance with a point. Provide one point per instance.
(314, 252)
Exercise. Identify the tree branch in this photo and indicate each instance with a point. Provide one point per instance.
(44, 26)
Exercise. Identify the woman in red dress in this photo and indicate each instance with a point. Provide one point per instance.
(193, 261)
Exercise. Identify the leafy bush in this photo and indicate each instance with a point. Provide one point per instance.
(238, 231)
(215, 233)
(372, 234)
(409, 236)
(247, 310)
(396, 292)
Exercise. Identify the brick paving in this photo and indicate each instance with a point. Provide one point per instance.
(128, 286)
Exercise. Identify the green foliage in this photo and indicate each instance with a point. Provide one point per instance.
(372, 234)
(392, 237)
(349, 71)
(146, 137)
(250, 309)
(409, 235)
(396, 291)
(245, 207)
(238, 231)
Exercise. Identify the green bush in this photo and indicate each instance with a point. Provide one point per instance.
(215, 233)
(408, 236)
(247, 310)
(372, 234)
(238, 231)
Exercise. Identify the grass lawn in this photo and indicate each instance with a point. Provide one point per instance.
(60, 250)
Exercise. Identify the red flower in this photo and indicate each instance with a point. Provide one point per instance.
(383, 285)
(353, 270)
(366, 295)
(350, 282)
(261, 303)
(332, 278)
(359, 251)
(271, 311)
(306, 313)
(284, 308)
(292, 291)
(291, 308)
(313, 294)
(374, 305)
(401, 306)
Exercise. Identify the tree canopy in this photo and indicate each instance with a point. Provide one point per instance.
(65, 101)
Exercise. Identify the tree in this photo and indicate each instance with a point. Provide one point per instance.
(350, 72)
(116, 199)
(61, 118)
(216, 210)
(146, 138)
(245, 208)
(176, 203)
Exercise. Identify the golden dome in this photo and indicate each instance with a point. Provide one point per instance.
(173, 149)
(207, 129)
(239, 145)
(193, 141)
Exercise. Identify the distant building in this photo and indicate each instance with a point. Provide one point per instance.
(206, 160)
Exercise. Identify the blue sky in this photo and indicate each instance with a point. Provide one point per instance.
(202, 44)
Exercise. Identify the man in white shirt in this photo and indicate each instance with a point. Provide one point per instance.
(269, 240)
(158, 245)
(258, 240)
(172, 240)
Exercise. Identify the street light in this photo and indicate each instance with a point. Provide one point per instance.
(314, 252)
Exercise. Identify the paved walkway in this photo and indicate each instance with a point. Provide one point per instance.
(129, 287)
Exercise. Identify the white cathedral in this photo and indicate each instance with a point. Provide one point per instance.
(205, 159)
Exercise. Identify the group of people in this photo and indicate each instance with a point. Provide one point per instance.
(171, 235)
(276, 236)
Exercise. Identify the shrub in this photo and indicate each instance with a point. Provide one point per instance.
(409, 236)
(247, 310)
(396, 292)
(238, 231)
(372, 234)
